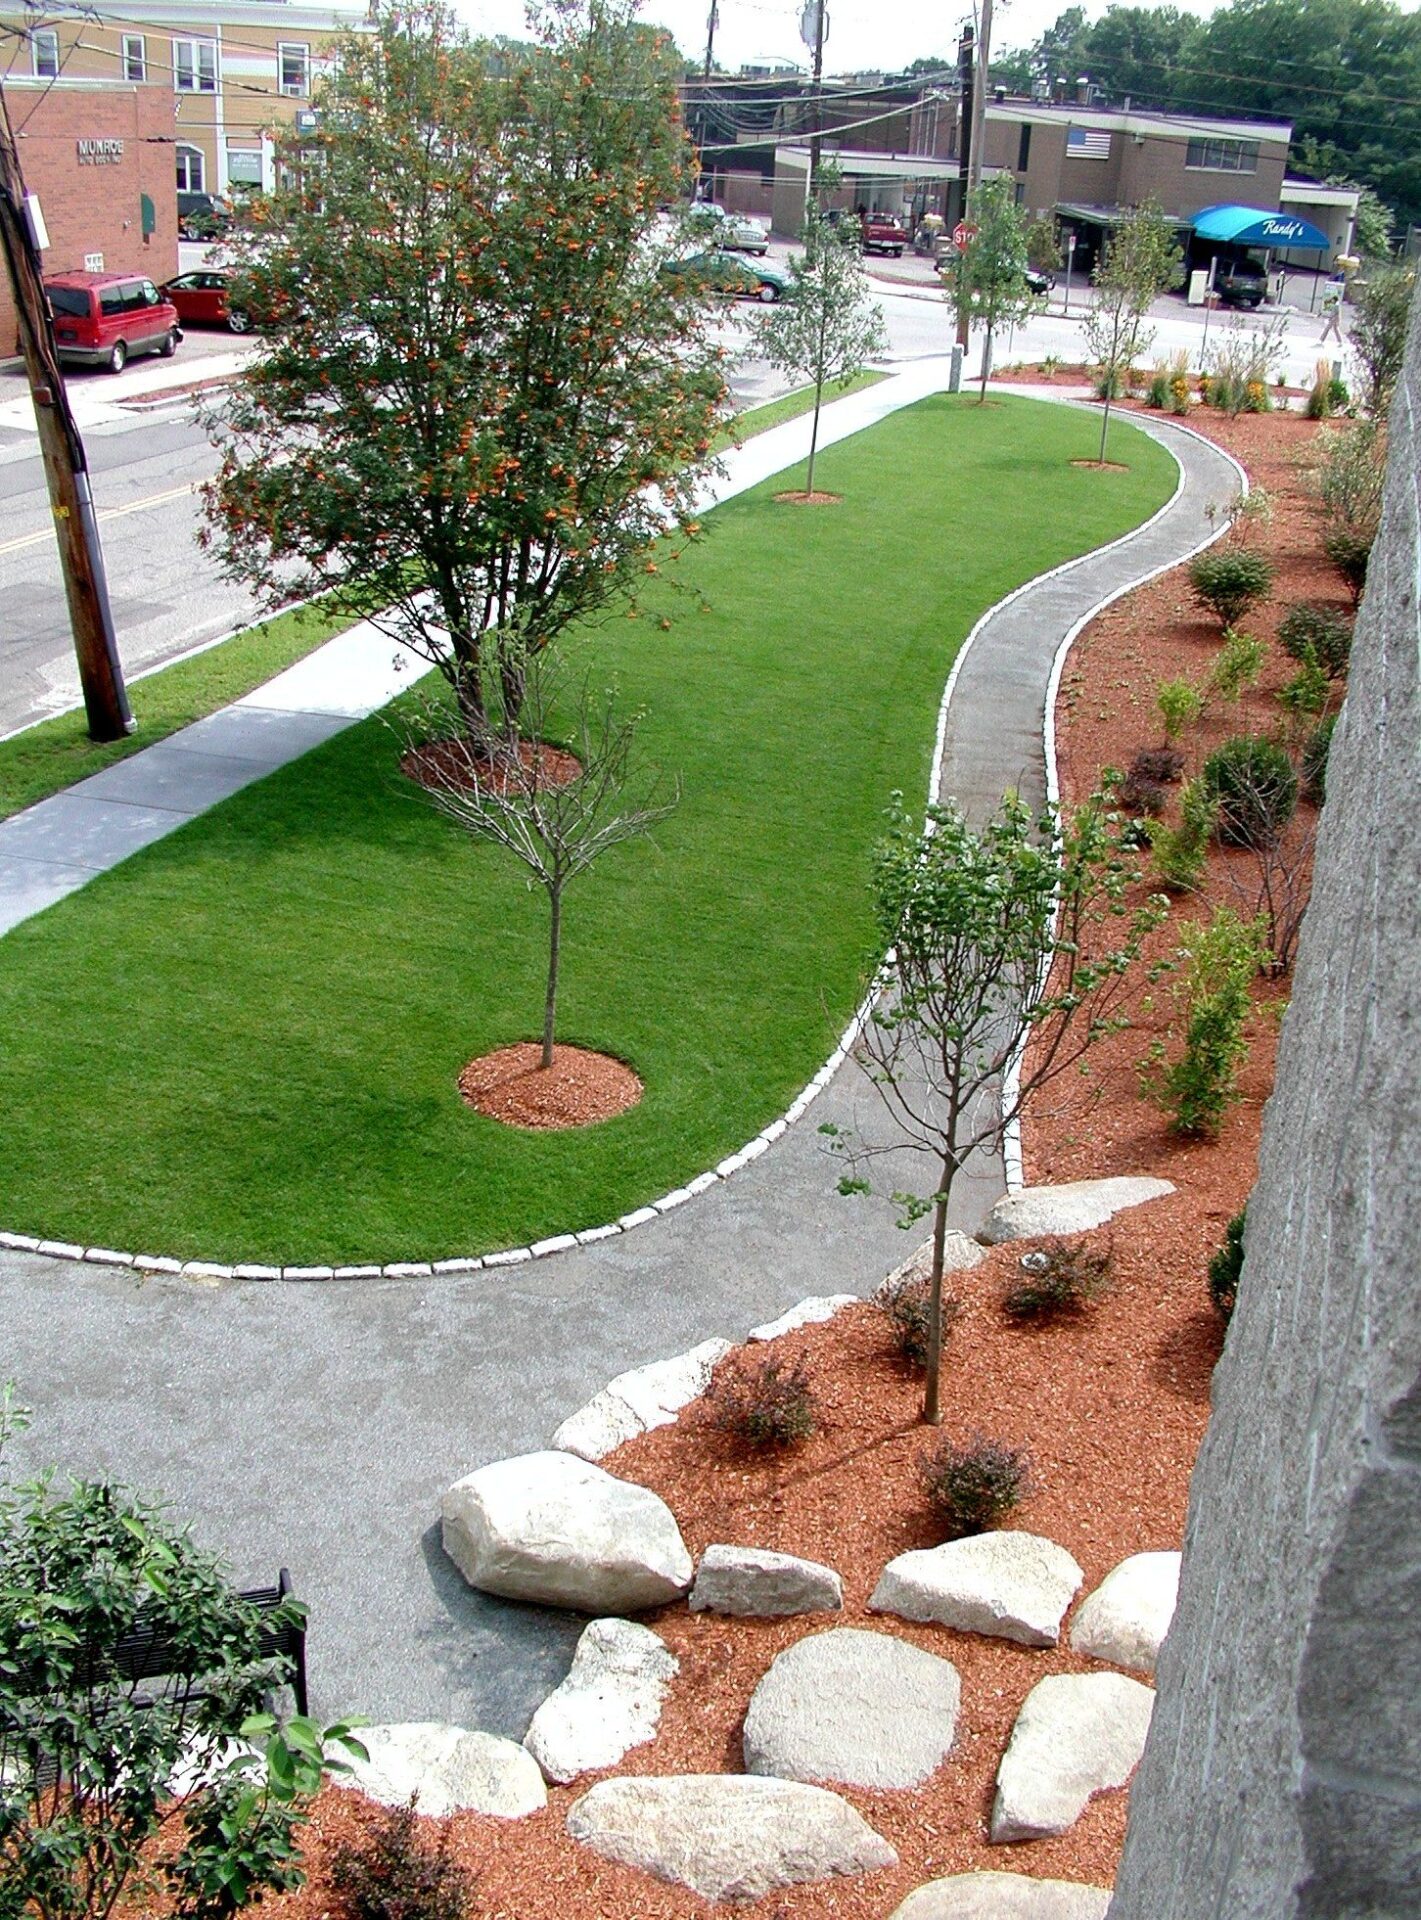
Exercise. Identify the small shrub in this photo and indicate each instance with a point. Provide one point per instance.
(1314, 760)
(1061, 1278)
(975, 1485)
(1157, 763)
(1256, 397)
(1224, 1268)
(1306, 693)
(766, 1403)
(1255, 788)
(391, 1873)
(1180, 704)
(1231, 582)
(1318, 634)
(1180, 852)
(906, 1306)
(1137, 793)
(1157, 393)
(1349, 549)
(1218, 964)
(1238, 666)
(1050, 363)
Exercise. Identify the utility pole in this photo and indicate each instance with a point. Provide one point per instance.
(711, 26)
(967, 79)
(80, 555)
(816, 136)
(979, 98)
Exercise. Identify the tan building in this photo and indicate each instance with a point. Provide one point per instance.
(230, 72)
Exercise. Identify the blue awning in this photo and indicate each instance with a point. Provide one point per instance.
(1256, 227)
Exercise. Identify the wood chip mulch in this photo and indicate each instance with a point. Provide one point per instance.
(445, 766)
(578, 1089)
(815, 499)
(1111, 1404)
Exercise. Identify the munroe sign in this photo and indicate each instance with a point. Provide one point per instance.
(99, 153)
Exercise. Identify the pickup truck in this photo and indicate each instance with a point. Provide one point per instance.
(880, 233)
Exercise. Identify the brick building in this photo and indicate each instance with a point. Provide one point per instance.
(99, 156)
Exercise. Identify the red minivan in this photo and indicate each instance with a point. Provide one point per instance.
(100, 319)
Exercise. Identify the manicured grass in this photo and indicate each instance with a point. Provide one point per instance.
(51, 756)
(243, 1042)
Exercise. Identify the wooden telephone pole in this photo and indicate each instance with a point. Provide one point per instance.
(66, 470)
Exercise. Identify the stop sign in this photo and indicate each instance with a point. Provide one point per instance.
(963, 234)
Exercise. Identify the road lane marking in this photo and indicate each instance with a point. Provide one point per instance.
(108, 513)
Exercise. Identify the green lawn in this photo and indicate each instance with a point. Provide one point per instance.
(243, 1043)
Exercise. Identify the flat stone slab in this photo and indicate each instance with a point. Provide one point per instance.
(1003, 1896)
(811, 1312)
(853, 1707)
(610, 1701)
(756, 1581)
(1127, 1617)
(727, 1837)
(638, 1400)
(1013, 1586)
(1077, 1734)
(451, 1769)
(1073, 1207)
(960, 1252)
(555, 1529)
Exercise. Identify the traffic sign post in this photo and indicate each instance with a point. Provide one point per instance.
(963, 234)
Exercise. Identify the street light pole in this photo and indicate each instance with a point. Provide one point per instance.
(80, 554)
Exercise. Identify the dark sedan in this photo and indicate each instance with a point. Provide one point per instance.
(718, 272)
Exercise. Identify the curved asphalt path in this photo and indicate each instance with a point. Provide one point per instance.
(316, 1426)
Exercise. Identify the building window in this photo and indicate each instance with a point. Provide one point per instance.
(195, 66)
(1023, 147)
(1223, 156)
(191, 169)
(44, 51)
(294, 61)
(135, 61)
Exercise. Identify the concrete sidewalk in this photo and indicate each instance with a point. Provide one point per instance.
(316, 1426)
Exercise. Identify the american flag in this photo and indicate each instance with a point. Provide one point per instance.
(1087, 143)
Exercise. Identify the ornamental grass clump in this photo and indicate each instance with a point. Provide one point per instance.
(1229, 583)
(766, 1403)
(975, 1484)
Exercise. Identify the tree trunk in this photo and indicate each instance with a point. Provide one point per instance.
(1105, 424)
(468, 690)
(932, 1395)
(550, 1005)
(986, 366)
(814, 438)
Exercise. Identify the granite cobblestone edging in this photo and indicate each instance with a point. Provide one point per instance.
(213, 1272)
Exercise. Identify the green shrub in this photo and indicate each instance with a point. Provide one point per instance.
(1180, 852)
(1139, 794)
(1228, 583)
(1306, 693)
(1062, 1277)
(1319, 401)
(1218, 963)
(909, 1315)
(1157, 393)
(1224, 1268)
(765, 1403)
(1319, 634)
(1314, 760)
(1255, 788)
(1180, 704)
(1349, 549)
(975, 1485)
(391, 1873)
(1156, 763)
(1238, 666)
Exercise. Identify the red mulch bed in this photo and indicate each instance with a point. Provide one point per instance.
(444, 766)
(1111, 1404)
(579, 1088)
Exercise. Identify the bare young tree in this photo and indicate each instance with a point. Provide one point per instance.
(556, 790)
(1138, 263)
(1018, 933)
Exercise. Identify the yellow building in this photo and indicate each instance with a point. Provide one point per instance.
(235, 70)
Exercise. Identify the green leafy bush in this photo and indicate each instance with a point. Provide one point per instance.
(973, 1485)
(391, 1873)
(765, 1403)
(1228, 583)
(1319, 634)
(909, 1312)
(1180, 704)
(1218, 963)
(1314, 760)
(1062, 1277)
(1224, 1268)
(1350, 549)
(1305, 695)
(1255, 788)
(1180, 851)
(1238, 667)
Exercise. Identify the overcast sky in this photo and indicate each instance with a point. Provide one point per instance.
(861, 35)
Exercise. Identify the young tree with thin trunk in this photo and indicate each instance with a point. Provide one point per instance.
(1138, 263)
(828, 326)
(987, 281)
(513, 791)
(476, 405)
(1010, 951)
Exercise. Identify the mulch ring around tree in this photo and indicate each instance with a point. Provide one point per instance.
(451, 766)
(580, 1088)
(815, 499)
(1102, 466)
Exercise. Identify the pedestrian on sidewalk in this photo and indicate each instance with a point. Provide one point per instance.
(1332, 311)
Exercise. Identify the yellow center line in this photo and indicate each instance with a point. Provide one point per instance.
(109, 513)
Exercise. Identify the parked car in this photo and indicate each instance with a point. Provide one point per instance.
(1240, 283)
(881, 233)
(1037, 281)
(719, 272)
(103, 319)
(202, 300)
(740, 234)
(203, 216)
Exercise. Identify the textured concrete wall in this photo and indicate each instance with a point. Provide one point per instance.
(1282, 1779)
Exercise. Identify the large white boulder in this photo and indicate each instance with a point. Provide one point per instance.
(638, 1400)
(1073, 1207)
(960, 1252)
(727, 1837)
(811, 1312)
(753, 1580)
(610, 1701)
(862, 1709)
(450, 1769)
(1015, 1586)
(552, 1528)
(1003, 1896)
(1076, 1735)
(1126, 1618)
